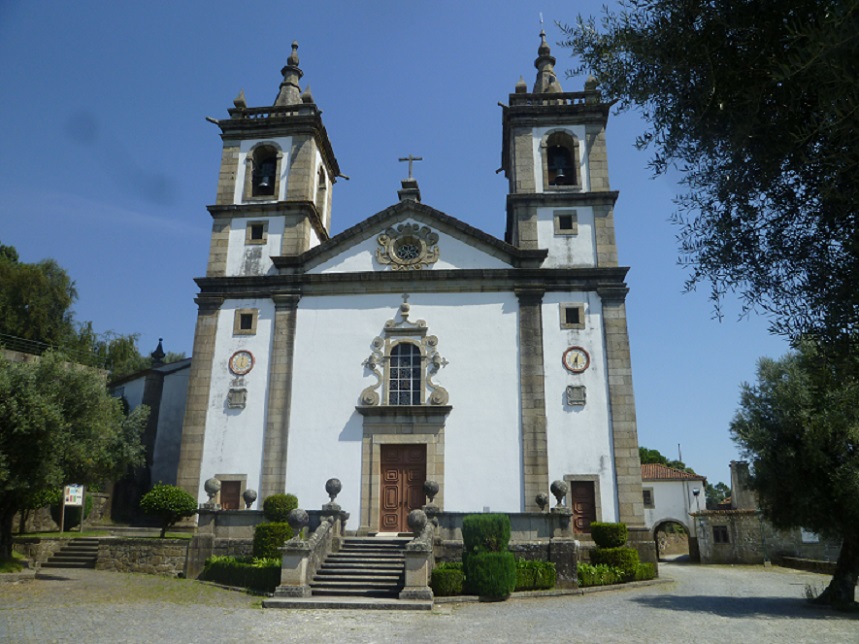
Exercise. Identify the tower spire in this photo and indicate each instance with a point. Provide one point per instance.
(547, 80)
(290, 93)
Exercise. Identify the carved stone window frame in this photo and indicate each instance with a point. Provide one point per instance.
(237, 321)
(250, 160)
(560, 220)
(379, 362)
(564, 307)
(250, 229)
(648, 498)
(408, 247)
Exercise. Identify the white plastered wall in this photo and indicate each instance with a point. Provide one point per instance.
(454, 254)
(567, 250)
(477, 333)
(672, 500)
(234, 437)
(253, 259)
(579, 437)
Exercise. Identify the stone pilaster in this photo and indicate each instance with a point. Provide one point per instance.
(532, 394)
(218, 247)
(622, 404)
(597, 158)
(275, 442)
(522, 172)
(302, 169)
(199, 386)
(606, 243)
(227, 177)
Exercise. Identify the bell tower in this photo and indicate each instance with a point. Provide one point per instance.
(554, 157)
(274, 186)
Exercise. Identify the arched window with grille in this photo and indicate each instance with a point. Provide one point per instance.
(561, 160)
(404, 375)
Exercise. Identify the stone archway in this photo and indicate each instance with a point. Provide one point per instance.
(671, 537)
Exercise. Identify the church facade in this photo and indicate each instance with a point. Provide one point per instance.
(413, 346)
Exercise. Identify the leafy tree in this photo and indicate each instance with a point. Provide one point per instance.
(756, 104)
(58, 425)
(169, 503)
(716, 494)
(799, 428)
(655, 456)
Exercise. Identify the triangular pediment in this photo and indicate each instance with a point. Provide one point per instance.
(411, 236)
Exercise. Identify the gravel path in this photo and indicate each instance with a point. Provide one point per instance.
(704, 604)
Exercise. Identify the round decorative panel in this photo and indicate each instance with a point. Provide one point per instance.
(241, 362)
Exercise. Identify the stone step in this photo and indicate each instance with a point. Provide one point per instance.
(68, 564)
(356, 592)
(323, 578)
(364, 560)
(358, 570)
(350, 603)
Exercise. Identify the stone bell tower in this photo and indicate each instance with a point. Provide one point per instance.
(559, 200)
(274, 187)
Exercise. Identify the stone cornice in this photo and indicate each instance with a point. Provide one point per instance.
(272, 209)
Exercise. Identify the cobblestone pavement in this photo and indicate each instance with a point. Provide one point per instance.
(704, 604)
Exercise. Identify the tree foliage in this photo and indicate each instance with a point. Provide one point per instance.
(756, 103)
(169, 503)
(799, 428)
(58, 425)
(647, 455)
(36, 314)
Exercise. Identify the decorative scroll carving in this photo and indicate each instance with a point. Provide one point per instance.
(407, 247)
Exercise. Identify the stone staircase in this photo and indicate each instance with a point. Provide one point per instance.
(77, 553)
(364, 567)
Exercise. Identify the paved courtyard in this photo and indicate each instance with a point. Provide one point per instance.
(703, 604)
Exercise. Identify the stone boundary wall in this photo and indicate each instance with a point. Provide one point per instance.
(36, 549)
(150, 556)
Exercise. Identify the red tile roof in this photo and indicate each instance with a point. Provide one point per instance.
(659, 472)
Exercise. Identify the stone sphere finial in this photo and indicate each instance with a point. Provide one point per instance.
(212, 487)
(417, 521)
(542, 501)
(249, 496)
(559, 490)
(297, 520)
(431, 489)
(332, 488)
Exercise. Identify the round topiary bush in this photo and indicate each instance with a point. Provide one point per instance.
(269, 537)
(624, 558)
(491, 574)
(609, 535)
(277, 507)
(447, 580)
(169, 503)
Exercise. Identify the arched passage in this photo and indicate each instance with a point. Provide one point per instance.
(671, 537)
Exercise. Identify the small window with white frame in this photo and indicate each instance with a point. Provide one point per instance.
(245, 322)
(566, 222)
(572, 316)
(256, 232)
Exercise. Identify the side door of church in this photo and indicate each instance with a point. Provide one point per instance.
(404, 470)
(583, 505)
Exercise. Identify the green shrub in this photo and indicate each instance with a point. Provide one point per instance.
(535, 575)
(169, 503)
(491, 574)
(258, 574)
(269, 537)
(599, 575)
(609, 535)
(485, 533)
(447, 580)
(276, 507)
(624, 558)
(645, 571)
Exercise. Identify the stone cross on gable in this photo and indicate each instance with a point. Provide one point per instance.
(411, 159)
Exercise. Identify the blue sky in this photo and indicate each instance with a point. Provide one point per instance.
(108, 163)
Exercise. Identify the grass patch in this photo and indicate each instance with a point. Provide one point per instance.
(15, 564)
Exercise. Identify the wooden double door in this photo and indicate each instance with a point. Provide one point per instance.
(583, 504)
(404, 470)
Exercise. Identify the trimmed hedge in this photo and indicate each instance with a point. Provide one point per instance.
(491, 574)
(276, 507)
(624, 558)
(535, 575)
(485, 533)
(609, 535)
(447, 579)
(599, 575)
(269, 537)
(645, 571)
(257, 574)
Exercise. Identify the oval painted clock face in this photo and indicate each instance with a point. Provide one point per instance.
(576, 359)
(241, 362)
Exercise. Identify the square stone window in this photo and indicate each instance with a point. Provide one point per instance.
(720, 534)
(572, 316)
(256, 232)
(648, 497)
(566, 222)
(245, 322)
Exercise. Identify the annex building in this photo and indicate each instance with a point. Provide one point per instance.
(413, 346)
